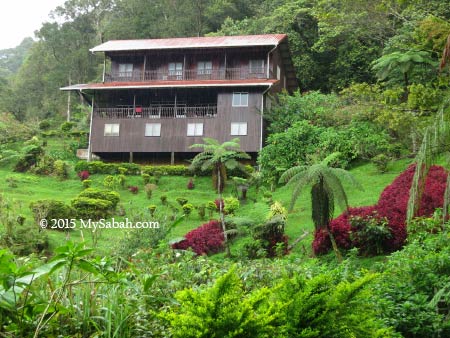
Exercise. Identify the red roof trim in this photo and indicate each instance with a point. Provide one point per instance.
(172, 84)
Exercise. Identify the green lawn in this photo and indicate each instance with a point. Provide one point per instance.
(31, 188)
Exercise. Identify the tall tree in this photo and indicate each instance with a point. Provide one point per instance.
(326, 189)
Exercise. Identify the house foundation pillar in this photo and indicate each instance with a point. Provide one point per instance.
(131, 157)
(172, 158)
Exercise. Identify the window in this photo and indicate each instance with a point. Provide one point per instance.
(240, 99)
(176, 70)
(125, 69)
(112, 129)
(195, 129)
(204, 68)
(256, 66)
(238, 128)
(153, 129)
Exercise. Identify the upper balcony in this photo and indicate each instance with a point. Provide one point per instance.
(188, 75)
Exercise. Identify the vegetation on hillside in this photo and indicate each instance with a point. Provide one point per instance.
(370, 101)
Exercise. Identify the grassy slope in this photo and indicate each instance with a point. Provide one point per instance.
(31, 188)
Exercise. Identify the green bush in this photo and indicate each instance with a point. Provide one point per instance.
(166, 170)
(225, 310)
(67, 126)
(91, 208)
(146, 178)
(99, 167)
(86, 183)
(181, 200)
(111, 196)
(231, 205)
(187, 209)
(44, 125)
(61, 169)
(152, 208)
(51, 209)
(381, 162)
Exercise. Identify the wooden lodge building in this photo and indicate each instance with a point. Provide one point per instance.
(159, 96)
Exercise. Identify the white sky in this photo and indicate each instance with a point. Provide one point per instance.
(20, 18)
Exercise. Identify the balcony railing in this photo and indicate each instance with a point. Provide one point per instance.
(188, 74)
(157, 112)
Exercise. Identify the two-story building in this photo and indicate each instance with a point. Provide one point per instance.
(160, 96)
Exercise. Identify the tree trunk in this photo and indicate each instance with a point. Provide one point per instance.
(334, 245)
(222, 219)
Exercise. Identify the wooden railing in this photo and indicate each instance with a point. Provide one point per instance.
(188, 74)
(157, 112)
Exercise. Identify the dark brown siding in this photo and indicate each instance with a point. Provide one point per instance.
(173, 131)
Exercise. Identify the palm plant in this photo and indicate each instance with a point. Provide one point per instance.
(326, 188)
(219, 158)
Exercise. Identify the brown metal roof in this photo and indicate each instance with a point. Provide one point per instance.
(194, 42)
(172, 84)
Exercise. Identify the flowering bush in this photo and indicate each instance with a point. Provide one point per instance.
(83, 175)
(391, 206)
(204, 240)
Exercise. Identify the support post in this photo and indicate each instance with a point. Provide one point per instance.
(89, 157)
(104, 68)
(131, 157)
(172, 158)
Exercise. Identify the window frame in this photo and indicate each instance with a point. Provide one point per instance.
(126, 72)
(241, 126)
(176, 71)
(202, 69)
(152, 129)
(240, 99)
(108, 130)
(195, 130)
(259, 69)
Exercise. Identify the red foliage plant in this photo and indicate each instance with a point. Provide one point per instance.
(217, 203)
(204, 240)
(191, 184)
(83, 175)
(392, 205)
(133, 189)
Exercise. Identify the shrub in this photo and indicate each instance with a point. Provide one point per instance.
(370, 234)
(201, 210)
(51, 209)
(270, 234)
(83, 175)
(133, 189)
(122, 170)
(381, 161)
(204, 240)
(107, 195)
(87, 183)
(11, 181)
(392, 205)
(92, 208)
(146, 178)
(277, 209)
(166, 170)
(44, 125)
(121, 179)
(211, 206)
(225, 310)
(61, 169)
(163, 199)
(187, 209)
(152, 208)
(149, 188)
(99, 167)
(190, 184)
(181, 200)
(231, 205)
(109, 182)
(67, 126)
